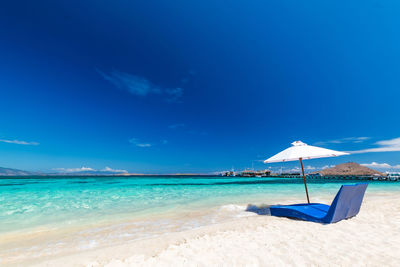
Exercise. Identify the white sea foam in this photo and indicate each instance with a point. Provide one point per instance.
(233, 208)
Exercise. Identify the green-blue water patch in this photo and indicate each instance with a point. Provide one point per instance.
(27, 202)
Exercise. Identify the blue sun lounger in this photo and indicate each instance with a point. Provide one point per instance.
(346, 204)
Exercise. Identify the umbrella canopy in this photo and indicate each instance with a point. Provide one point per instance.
(300, 151)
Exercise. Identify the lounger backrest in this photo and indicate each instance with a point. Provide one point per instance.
(347, 202)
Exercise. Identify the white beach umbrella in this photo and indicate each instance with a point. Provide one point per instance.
(300, 151)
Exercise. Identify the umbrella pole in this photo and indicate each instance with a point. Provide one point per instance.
(304, 178)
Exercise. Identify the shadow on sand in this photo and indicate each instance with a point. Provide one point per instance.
(260, 210)
(264, 210)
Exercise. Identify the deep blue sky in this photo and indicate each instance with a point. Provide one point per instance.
(196, 86)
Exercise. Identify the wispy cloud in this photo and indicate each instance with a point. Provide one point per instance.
(178, 125)
(187, 79)
(327, 167)
(382, 146)
(381, 165)
(298, 169)
(141, 86)
(19, 142)
(134, 84)
(81, 169)
(174, 95)
(138, 143)
(295, 169)
(108, 169)
(144, 145)
(355, 140)
(88, 169)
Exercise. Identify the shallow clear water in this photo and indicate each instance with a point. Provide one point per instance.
(52, 216)
(27, 203)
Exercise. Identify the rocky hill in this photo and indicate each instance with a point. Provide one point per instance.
(350, 169)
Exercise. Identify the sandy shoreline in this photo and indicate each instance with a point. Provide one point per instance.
(370, 239)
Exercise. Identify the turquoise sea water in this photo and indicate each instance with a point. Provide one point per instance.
(52, 216)
(31, 202)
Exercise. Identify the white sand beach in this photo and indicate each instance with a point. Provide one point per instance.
(370, 239)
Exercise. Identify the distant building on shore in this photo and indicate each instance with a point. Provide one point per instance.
(248, 173)
(252, 173)
(393, 176)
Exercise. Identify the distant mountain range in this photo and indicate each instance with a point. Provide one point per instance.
(83, 173)
(14, 172)
(349, 169)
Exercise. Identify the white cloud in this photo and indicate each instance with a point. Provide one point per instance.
(134, 84)
(383, 146)
(81, 169)
(108, 169)
(344, 140)
(144, 145)
(327, 167)
(298, 169)
(356, 139)
(88, 169)
(19, 142)
(295, 169)
(137, 143)
(390, 142)
(381, 165)
(140, 86)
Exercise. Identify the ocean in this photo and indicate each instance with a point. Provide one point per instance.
(49, 214)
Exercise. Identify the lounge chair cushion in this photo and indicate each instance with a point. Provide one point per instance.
(346, 204)
(307, 212)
